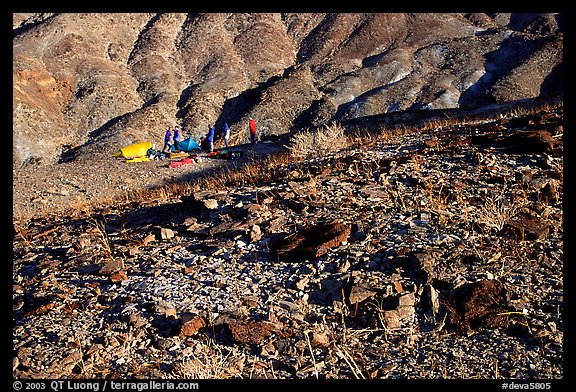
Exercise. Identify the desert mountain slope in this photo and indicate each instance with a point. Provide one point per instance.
(100, 81)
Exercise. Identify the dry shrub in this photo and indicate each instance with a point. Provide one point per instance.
(308, 144)
(497, 210)
(209, 361)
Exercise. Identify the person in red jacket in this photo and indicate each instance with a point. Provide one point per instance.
(252, 124)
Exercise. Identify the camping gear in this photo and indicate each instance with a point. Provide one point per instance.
(173, 155)
(224, 154)
(181, 162)
(231, 155)
(213, 154)
(186, 145)
(134, 150)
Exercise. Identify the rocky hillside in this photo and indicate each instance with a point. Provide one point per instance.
(431, 253)
(86, 84)
(426, 244)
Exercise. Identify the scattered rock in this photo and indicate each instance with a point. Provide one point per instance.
(312, 242)
(112, 265)
(191, 324)
(251, 332)
(166, 234)
(210, 204)
(479, 305)
(526, 228)
(118, 277)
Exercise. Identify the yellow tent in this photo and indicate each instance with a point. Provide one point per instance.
(134, 150)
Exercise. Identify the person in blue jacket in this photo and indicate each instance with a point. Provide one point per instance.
(210, 138)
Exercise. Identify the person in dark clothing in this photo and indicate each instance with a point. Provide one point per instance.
(167, 141)
(177, 137)
(252, 124)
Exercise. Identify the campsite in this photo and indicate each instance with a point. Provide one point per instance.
(184, 152)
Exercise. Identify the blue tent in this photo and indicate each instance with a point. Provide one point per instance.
(186, 145)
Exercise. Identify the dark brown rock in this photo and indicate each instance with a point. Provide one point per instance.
(526, 228)
(416, 264)
(312, 241)
(550, 190)
(539, 141)
(250, 332)
(479, 305)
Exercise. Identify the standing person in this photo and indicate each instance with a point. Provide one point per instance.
(252, 124)
(210, 138)
(177, 137)
(226, 134)
(167, 140)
